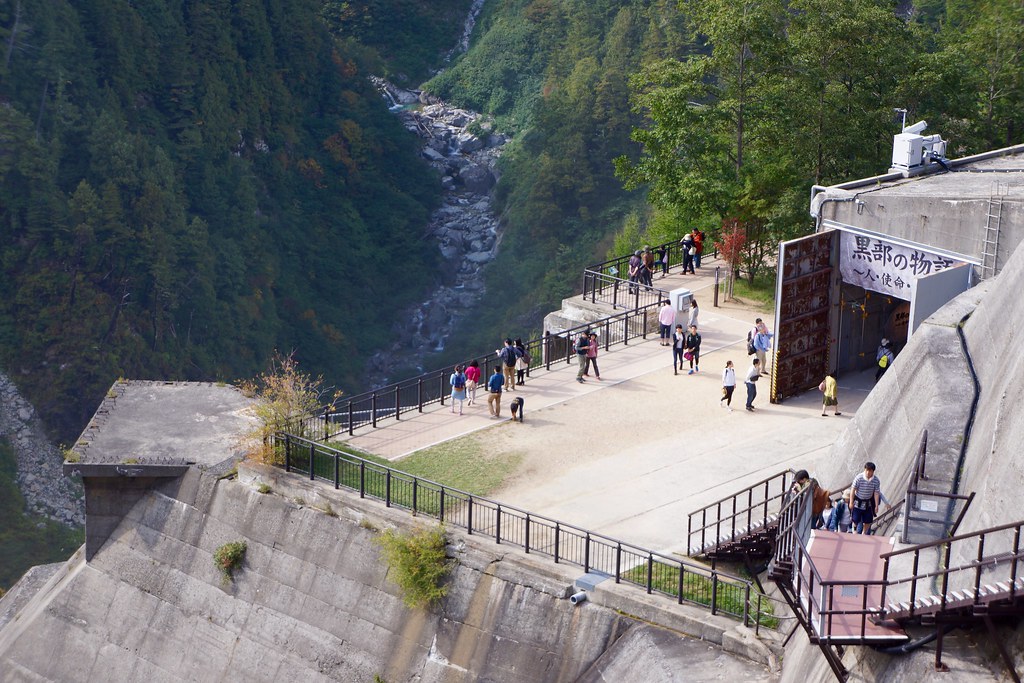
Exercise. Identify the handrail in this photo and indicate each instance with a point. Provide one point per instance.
(393, 400)
(537, 534)
(732, 513)
(623, 293)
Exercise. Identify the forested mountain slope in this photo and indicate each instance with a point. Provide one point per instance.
(186, 186)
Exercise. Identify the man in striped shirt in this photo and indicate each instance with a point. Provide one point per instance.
(863, 498)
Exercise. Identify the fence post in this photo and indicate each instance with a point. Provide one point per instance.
(682, 572)
(717, 271)
(497, 526)
(650, 572)
(625, 328)
(337, 479)
(311, 475)
(440, 385)
(415, 493)
(746, 605)
(618, 562)
(362, 479)
(441, 515)
(586, 553)
(615, 294)
(351, 418)
(607, 343)
(419, 394)
(327, 414)
(526, 545)
(373, 409)
(556, 542)
(547, 349)
(387, 488)
(714, 592)
(398, 402)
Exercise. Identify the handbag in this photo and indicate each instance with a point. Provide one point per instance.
(821, 387)
(688, 355)
(750, 349)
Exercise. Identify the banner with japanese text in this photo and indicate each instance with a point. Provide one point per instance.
(884, 267)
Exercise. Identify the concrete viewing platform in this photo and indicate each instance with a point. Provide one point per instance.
(631, 455)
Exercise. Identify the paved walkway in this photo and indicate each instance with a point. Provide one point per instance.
(632, 455)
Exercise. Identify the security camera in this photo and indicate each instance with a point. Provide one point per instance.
(916, 128)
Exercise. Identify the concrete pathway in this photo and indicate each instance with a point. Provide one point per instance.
(632, 455)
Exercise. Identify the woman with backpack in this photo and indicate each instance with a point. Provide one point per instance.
(458, 382)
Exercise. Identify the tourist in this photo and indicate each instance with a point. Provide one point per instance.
(472, 380)
(458, 382)
(753, 374)
(678, 344)
(883, 358)
(508, 356)
(662, 255)
(829, 389)
(863, 498)
(582, 347)
(698, 247)
(691, 320)
(666, 316)
(592, 357)
(819, 496)
(522, 362)
(689, 251)
(648, 257)
(494, 386)
(761, 339)
(728, 385)
(839, 518)
(634, 270)
(692, 350)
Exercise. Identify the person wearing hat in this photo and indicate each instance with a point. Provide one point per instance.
(582, 347)
(689, 250)
(883, 358)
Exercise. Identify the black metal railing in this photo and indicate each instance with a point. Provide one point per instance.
(412, 395)
(753, 508)
(619, 293)
(619, 266)
(656, 573)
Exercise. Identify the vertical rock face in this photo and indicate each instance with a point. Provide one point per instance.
(40, 477)
(460, 145)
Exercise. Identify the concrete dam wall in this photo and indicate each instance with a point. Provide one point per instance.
(313, 602)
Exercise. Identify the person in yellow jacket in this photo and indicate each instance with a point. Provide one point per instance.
(829, 398)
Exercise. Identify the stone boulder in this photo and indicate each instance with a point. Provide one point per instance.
(477, 178)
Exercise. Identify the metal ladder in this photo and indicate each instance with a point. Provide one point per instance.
(990, 244)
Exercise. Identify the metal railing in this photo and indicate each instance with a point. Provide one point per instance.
(915, 492)
(620, 293)
(619, 266)
(412, 395)
(753, 508)
(656, 573)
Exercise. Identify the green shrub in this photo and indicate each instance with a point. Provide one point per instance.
(229, 557)
(264, 488)
(417, 564)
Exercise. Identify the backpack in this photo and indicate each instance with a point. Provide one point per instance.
(750, 344)
(883, 362)
(459, 381)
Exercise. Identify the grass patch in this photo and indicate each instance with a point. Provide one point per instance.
(762, 291)
(27, 540)
(697, 590)
(264, 488)
(463, 464)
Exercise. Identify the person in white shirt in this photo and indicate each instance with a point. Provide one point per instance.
(728, 385)
(694, 312)
(753, 374)
(666, 316)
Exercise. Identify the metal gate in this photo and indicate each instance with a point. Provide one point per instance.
(803, 296)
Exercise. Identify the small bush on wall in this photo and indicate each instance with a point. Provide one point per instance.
(417, 563)
(228, 558)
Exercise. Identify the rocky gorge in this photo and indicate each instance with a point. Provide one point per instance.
(462, 147)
